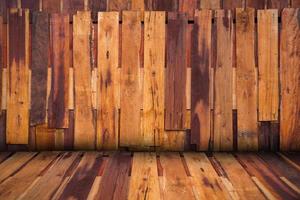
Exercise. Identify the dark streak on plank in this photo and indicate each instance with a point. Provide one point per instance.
(69, 132)
(97, 6)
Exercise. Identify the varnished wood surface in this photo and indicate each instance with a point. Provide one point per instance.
(148, 175)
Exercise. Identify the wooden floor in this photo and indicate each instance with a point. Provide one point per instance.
(124, 175)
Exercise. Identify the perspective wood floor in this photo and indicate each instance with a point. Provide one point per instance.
(125, 175)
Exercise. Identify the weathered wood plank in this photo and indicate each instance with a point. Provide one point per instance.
(97, 6)
(268, 85)
(144, 182)
(277, 4)
(173, 141)
(200, 80)
(69, 133)
(58, 113)
(39, 67)
(108, 85)
(210, 4)
(188, 7)
(4, 156)
(175, 90)
(51, 6)
(72, 6)
(154, 67)
(290, 81)
(3, 146)
(223, 98)
(17, 123)
(44, 138)
(84, 131)
(138, 5)
(170, 5)
(246, 90)
(131, 90)
(118, 5)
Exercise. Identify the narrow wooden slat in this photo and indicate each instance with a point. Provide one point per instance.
(200, 80)
(17, 185)
(84, 131)
(51, 6)
(268, 87)
(154, 67)
(210, 4)
(175, 183)
(118, 5)
(18, 81)
(246, 80)
(108, 85)
(3, 145)
(60, 63)
(207, 182)
(289, 80)
(69, 133)
(239, 178)
(144, 182)
(39, 67)
(223, 82)
(1, 60)
(130, 131)
(175, 90)
(47, 185)
(115, 179)
(273, 183)
(82, 179)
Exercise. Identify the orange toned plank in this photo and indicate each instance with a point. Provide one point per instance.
(118, 5)
(84, 131)
(223, 132)
(268, 85)
(138, 5)
(60, 63)
(108, 85)
(130, 128)
(48, 184)
(200, 79)
(51, 6)
(188, 7)
(18, 82)
(246, 80)
(16, 185)
(44, 138)
(144, 182)
(239, 178)
(175, 183)
(256, 167)
(289, 79)
(175, 89)
(173, 140)
(206, 180)
(154, 66)
(210, 4)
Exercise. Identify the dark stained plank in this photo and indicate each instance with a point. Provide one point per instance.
(246, 92)
(293, 156)
(115, 179)
(51, 6)
(69, 132)
(3, 145)
(200, 80)
(32, 5)
(72, 6)
(277, 4)
(175, 99)
(1, 58)
(289, 80)
(166, 5)
(39, 67)
(258, 4)
(97, 6)
(82, 179)
(17, 122)
(60, 63)
(118, 5)
(4, 156)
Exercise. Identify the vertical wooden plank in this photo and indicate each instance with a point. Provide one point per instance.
(1, 60)
(268, 87)
(154, 67)
(44, 138)
(175, 99)
(18, 83)
(32, 5)
(138, 5)
(69, 133)
(232, 4)
(223, 130)
(72, 6)
(39, 67)
(295, 3)
(108, 85)
(169, 5)
(290, 82)
(51, 6)
(210, 4)
(130, 133)
(97, 6)
(58, 113)
(277, 4)
(118, 5)
(246, 80)
(200, 83)
(3, 146)
(84, 132)
(188, 7)
(257, 4)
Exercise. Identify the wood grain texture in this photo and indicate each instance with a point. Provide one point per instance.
(232, 4)
(60, 63)
(257, 4)
(44, 138)
(108, 85)
(51, 6)
(118, 5)
(246, 92)
(277, 4)
(223, 82)
(200, 79)
(175, 89)
(72, 6)
(39, 67)
(154, 67)
(210, 4)
(268, 85)
(169, 5)
(290, 81)
(188, 7)
(17, 123)
(97, 6)
(84, 131)
(131, 89)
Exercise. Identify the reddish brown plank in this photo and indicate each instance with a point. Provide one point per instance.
(32, 5)
(232, 4)
(69, 133)
(60, 63)
(188, 7)
(277, 4)
(169, 5)
(97, 6)
(295, 3)
(175, 99)
(118, 5)
(200, 80)
(39, 67)
(258, 4)
(72, 6)
(51, 6)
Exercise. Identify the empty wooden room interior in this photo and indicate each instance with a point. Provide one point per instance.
(149, 99)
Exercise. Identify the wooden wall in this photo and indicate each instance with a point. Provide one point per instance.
(205, 75)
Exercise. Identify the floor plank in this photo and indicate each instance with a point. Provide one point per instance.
(4, 156)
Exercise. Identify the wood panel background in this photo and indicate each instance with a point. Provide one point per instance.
(174, 75)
